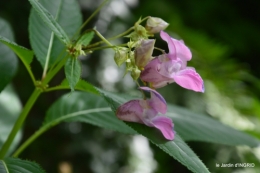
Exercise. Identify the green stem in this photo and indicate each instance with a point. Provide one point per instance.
(112, 38)
(19, 122)
(102, 38)
(31, 139)
(163, 51)
(55, 122)
(122, 34)
(55, 70)
(48, 56)
(90, 17)
(137, 83)
(144, 19)
(103, 47)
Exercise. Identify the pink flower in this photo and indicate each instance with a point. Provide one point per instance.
(146, 112)
(171, 67)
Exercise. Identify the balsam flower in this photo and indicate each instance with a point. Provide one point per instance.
(172, 67)
(147, 112)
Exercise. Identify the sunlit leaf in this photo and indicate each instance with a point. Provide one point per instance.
(15, 165)
(66, 17)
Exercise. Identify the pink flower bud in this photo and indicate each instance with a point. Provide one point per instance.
(155, 25)
(148, 112)
(143, 53)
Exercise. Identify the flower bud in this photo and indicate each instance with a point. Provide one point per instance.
(121, 55)
(140, 32)
(155, 25)
(143, 53)
(135, 73)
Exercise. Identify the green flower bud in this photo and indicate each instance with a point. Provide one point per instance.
(143, 53)
(135, 73)
(155, 25)
(139, 33)
(121, 55)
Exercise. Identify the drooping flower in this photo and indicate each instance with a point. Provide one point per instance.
(172, 67)
(147, 112)
(155, 25)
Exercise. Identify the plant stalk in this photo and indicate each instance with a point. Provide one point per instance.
(19, 122)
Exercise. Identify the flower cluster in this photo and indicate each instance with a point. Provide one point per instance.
(155, 72)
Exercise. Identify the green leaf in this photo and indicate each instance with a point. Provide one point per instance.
(85, 39)
(8, 61)
(79, 106)
(25, 55)
(199, 127)
(84, 107)
(192, 126)
(10, 108)
(15, 165)
(177, 148)
(82, 85)
(50, 21)
(89, 108)
(73, 72)
(67, 14)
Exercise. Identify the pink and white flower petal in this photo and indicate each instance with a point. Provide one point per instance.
(189, 79)
(150, 74)
(130, 111)
(165, 125)
(157, 102)
(177, 48)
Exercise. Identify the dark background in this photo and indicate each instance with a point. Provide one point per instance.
(225, 41)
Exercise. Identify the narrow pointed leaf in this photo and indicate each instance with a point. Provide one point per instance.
(196, 127)
(85, 39)
(8, 61)
(15, 165)
(81, 85)
(67, 14)
(10, 108)
(73, 72)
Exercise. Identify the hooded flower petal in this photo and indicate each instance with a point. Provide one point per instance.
(156, 102)
(146, 112)
(130, 111)
(177, 48)
(189, 79)
(165, 125)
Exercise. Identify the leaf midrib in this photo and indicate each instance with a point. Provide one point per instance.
(7, 171)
